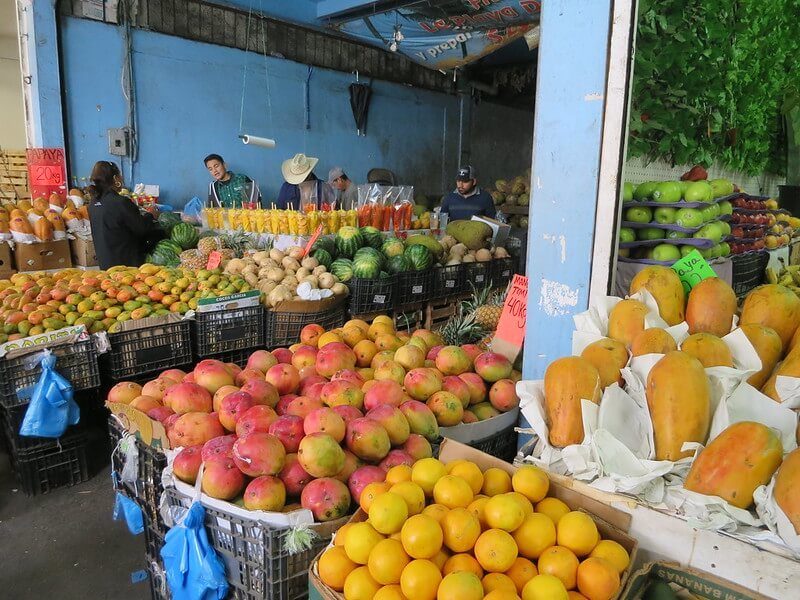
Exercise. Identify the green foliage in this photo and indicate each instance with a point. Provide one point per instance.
(710, 78)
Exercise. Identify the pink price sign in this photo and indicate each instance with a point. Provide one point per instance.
(47, 171)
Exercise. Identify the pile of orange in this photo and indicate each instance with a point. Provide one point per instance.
(453, 532)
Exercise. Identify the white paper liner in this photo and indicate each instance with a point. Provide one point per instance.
(774, 518)
(24, 238)
(788, 389)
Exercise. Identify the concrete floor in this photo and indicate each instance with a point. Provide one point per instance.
(65, 544)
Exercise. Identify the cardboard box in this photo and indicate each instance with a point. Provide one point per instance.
(6, 261)
(43, 256)
(83, 254)
(500, 230)
(699, 583)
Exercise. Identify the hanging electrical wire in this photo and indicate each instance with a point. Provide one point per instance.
(127, 11)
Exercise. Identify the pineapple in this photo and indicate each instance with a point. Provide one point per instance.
(461, 329)
(207, 245)
(486, 306)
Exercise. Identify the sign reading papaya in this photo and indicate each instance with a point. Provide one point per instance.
(47, 171)
(692, 269)
(510, 333)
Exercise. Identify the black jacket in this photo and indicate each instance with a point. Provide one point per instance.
(121, 233)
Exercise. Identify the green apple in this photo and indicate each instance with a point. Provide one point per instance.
(684, 185)
(709, 232)
(676, 235)
(644, 191)
(724, 249)
(650, 233)
(685, 250)
(725, 208)
(639, 214)
(707, 214)
(725, 227)
(627, 234)
(707, 253)
(689, 217)
(666, 253)
(665, 215)
(627, 192)
(698, 191)
(721, 187)
(667, 192)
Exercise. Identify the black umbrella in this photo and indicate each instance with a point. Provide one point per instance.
(360, 94)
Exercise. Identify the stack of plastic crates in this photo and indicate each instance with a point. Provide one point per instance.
(148, 350)
(229, 335)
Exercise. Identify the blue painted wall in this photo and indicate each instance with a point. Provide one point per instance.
(188, 101)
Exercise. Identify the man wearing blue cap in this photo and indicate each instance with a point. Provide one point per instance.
(467, 199)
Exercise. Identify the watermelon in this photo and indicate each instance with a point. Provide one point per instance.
(420, 257)
(371, 254)
(384, 275)
(185, 235)
(393, 247)
(326, 243)
(164, 257)
(169, 245)
(168, 220)
(399, 264)
(343, 269)
(367, 265)
(348, 240)
(372, 236)
(323, 257)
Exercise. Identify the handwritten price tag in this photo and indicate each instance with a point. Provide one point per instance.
(47, 171)
(510, 333)
(213, 260)
(692, 269)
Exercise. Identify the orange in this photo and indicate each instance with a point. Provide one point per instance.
(521, 572)
(452, 492)
(426, 472)
(370, 492)
(334, 567)
(498, 581)
(496, 550)
(461, 585)
(365, 351)
(553, 508)
(462, 562)
(420, 580)
(496, 481)
(398, 473)
(421, 536)
(387, 561)
(577, 531)
(598, 579)
(412, 494)
(441, 558)
(461, 530)
(468, 471)
(390, 592)
(544, 587)
(339, 539)
(613, 553)
(477, 508)
(360, 585)
(532, 482)
(353, 335)
(524, 503)
(500, 595)
(328, 338)
(559, 562)
(503, 512)
(388, 512)
(361, 539)
(436, 511)
(573, 595)
(536, 534)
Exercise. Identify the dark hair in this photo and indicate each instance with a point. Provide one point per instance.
(344, 176)
(102, 177)
(213, 157)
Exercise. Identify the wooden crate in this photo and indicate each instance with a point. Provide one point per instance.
(439, 312)
(13, 176)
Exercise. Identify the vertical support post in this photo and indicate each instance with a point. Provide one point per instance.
(579, 126)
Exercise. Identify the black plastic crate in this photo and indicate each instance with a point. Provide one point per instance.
(368, 296)
(159, 590)
(479, 274)
(12, 421)
(502, 271)
(257, 564)
(40, 472)
(225, 331)
(76, 362)
(413, 288)
(283, 328)
(157, 348)
(502, 444)
(748, 271)
(449, 281)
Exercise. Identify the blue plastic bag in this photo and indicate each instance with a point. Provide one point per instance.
(52, 408)
(194, 571)
(193, 211)
(125, 508)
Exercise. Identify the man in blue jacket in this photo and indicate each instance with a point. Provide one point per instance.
(467, 199)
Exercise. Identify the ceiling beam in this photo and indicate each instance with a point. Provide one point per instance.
(348, 10)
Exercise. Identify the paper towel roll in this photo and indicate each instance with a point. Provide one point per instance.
(258, 141)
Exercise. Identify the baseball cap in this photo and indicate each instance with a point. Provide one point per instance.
(466, 173)
(334, 174)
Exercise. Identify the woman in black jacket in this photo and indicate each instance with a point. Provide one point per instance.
(119, 230)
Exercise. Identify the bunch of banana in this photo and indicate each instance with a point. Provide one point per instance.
(788, 277)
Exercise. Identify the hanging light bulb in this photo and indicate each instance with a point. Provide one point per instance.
(393, 46)
(398, 34)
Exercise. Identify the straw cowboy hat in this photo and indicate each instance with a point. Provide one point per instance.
(296, 169)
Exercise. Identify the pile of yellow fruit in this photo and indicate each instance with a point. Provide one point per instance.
(453, 532)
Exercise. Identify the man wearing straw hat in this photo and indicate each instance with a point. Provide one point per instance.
(302, 187)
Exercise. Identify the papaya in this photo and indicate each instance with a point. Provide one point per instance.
(795, 341)
(710, 350)
(736, 462)
(83, 211)
(41, 204)
(787, 482)
(18, 214)
(20, 225)
(43, 230)
(70, 213)
(710, 307)
(567, 381)
(653, 341)
(24, 205)
(790, 367)
(609, 357)
(665, 286)
(679, 400)
(626, 321)
(769, 348)
(56, 221)
(773, 306)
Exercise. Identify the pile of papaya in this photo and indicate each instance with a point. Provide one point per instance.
(746, 454)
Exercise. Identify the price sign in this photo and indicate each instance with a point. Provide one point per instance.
(213, 260)
(510, 333)
(312, 241)
(692, 269)
(47, 172)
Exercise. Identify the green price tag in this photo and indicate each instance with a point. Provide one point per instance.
(692, 269)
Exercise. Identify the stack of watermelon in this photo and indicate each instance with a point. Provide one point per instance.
(182, 236)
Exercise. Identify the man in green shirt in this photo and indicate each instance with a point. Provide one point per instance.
(229, 189)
